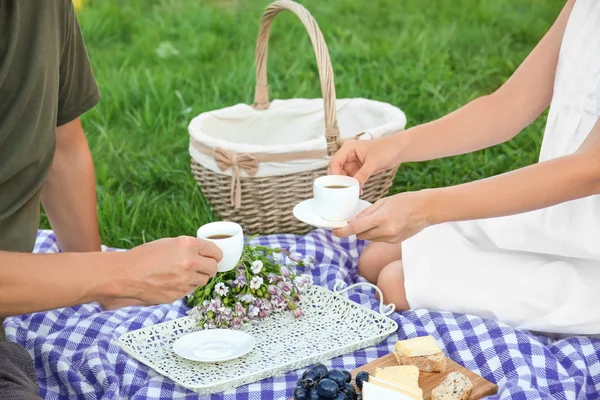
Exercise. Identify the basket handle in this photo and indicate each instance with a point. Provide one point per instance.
(261, 96)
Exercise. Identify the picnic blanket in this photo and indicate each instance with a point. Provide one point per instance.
(76, 358)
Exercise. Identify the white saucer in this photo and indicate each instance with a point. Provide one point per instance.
(306, 213)
(214, 345)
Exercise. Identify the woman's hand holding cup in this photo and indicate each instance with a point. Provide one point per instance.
(363, 158)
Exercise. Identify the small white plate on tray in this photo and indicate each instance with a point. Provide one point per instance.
(306, 212)
(214, 345)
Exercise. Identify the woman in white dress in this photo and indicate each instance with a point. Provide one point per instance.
(522, 247)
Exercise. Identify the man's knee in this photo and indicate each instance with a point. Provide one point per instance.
(17, 374)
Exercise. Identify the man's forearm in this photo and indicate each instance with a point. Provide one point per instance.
(534, 187)
(77, 278)
(69, 193)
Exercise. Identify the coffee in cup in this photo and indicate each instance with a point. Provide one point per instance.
(336, 197)
(213, 237)
(229, 237)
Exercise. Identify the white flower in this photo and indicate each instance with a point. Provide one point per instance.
(254, 311)
(195, 313)
(247, 298)
(256, 282)
(214, 305)
(221, 289)
(225, 313)
(309, 262)
(257, 266)
(302, 281)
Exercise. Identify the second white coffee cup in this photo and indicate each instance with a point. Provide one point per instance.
(229, 237)
(336, 197)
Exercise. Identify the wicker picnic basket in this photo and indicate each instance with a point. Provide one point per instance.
(254, 163)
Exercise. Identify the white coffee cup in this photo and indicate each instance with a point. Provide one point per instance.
(229, 236)
(336, 197)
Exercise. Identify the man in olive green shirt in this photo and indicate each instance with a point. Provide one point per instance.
(46, 83)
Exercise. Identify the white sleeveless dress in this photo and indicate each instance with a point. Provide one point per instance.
(538, 270)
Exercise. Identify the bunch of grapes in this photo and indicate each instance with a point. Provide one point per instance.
(318, 383)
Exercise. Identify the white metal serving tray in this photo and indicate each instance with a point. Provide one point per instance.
(332, 326)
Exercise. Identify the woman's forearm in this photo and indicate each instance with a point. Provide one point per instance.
(76, 278)
(538, 186)
(496, 118)
(69, 193)
(482, 123)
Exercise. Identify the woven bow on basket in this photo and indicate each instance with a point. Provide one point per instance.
(228, 159)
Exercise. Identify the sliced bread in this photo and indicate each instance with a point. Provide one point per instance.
(456, 386)
(422, 352)
(431, 363)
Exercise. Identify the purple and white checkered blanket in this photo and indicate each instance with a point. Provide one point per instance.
(76, 358)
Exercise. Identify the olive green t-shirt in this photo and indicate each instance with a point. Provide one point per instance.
(46, 80)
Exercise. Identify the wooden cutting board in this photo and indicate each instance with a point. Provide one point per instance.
(429, 380)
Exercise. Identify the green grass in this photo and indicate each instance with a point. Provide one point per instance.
(159, 63)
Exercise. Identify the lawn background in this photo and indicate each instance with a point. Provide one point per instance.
(160, 63)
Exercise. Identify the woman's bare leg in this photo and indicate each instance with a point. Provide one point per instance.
(391, 284)
(375, 257)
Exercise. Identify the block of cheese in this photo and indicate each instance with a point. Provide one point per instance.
(399, 375)
(371, 391)
(411, 392)
(419, 346)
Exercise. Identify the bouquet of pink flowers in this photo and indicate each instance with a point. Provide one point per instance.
(261, 284)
